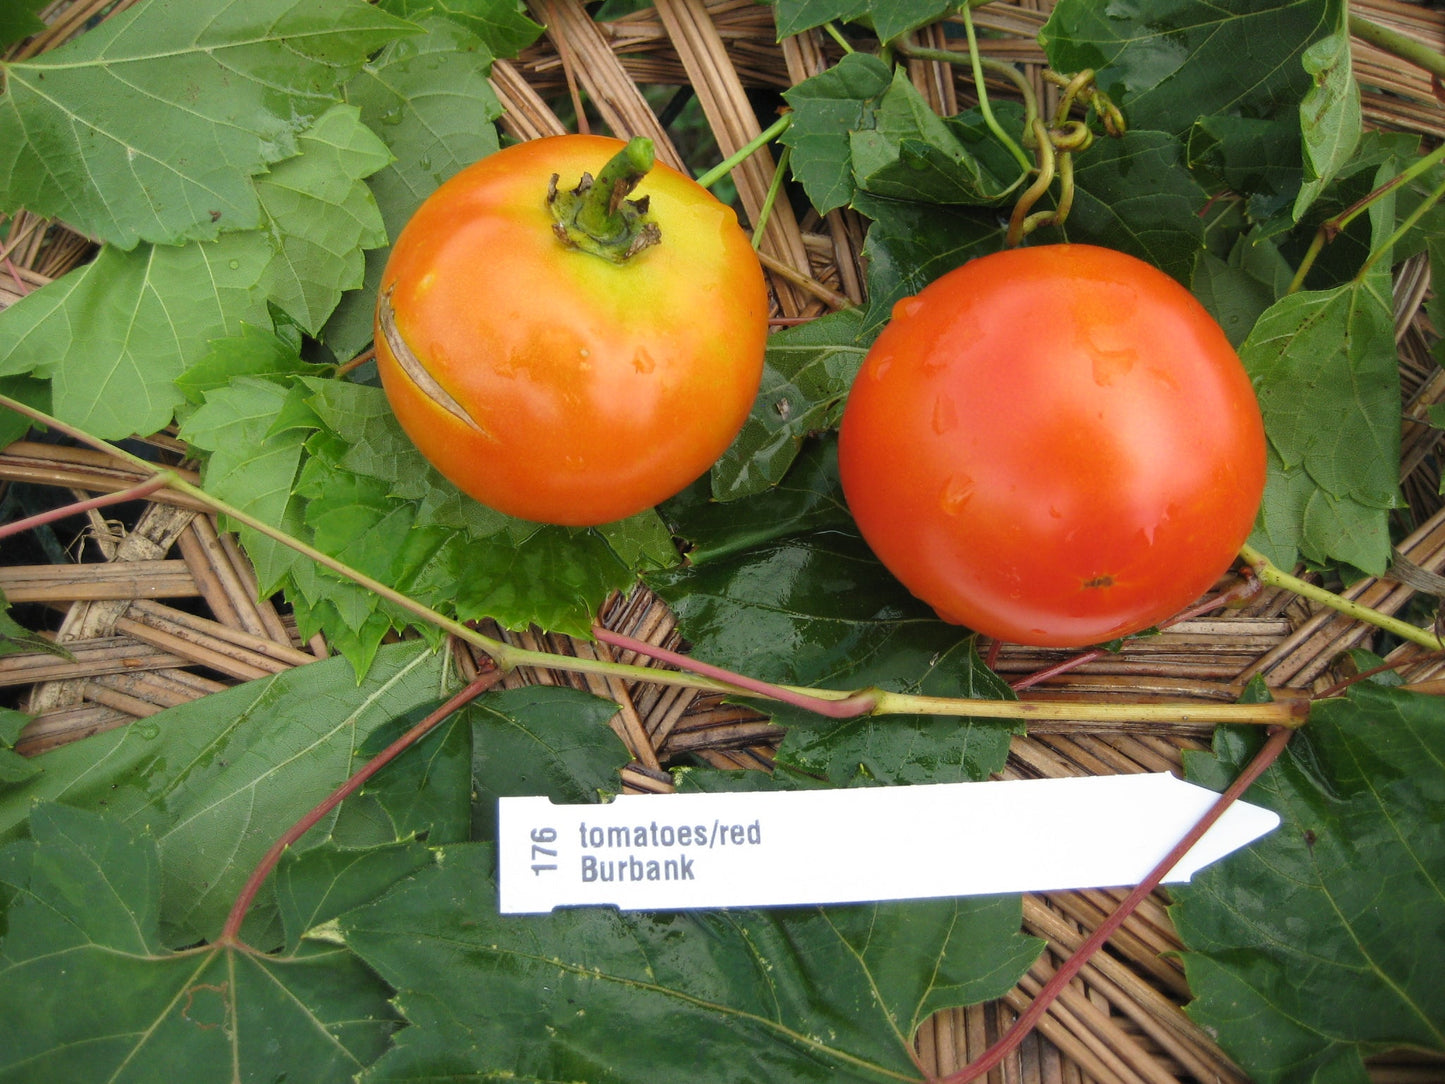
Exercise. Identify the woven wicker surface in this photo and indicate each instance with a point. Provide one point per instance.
(156, 608)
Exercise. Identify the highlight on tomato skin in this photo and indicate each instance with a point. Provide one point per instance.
(559, 385)
(1054, 445)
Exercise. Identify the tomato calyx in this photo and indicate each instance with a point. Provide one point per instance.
(597, 217)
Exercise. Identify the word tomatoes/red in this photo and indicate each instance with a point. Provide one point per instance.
(1054, 446)
(572, 356)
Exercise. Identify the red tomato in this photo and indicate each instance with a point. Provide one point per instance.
(553, 384)
(1054, 446)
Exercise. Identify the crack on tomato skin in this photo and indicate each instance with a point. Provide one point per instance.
(415, 371)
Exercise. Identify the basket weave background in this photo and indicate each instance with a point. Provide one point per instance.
(156, 608)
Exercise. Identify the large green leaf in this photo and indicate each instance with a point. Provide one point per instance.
(1135, 194)
(219, 779)
(89, 990)
(1325, 367)
(150, 126)
(324, 215)
(1166, 65)
(1320, 944)
(796, 995)
(910, 153)
(889, 18)
(115, 336)
(1330, 115)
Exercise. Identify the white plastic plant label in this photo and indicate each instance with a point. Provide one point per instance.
(781, 848)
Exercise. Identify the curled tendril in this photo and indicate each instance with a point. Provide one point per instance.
(1054, 146)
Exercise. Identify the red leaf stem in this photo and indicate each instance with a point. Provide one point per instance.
(231, 931)
(849, 707)
(136, 492)
(1070, 968)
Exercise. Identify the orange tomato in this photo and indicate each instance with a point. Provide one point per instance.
(557, 385)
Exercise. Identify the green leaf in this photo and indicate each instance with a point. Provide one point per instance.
(20, 19)
(150, 126)
(114, 335)
(27, 390)
(425, 793)
(827, 108)
(219, 779)
(253, 351)
(807, 498)
(888, 18)
(314, 887)
(911, 244)
(1166, 67)
(324, 216)
(501, 25)
(911, 153)
(1240, 287)
(89, 991)
(13, 767)
(252, 467)
(1330, 115)
(536, 740)
(1255, 157)
(817, 609)
(1312, 948)
(797, 995)
(807, 372)
(428, 98)
(1325, 368)
(1136, 195)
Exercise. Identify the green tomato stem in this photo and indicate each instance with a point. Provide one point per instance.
(1271, 574)
(597, 217)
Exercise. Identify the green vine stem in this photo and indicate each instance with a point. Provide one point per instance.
(1272, 575)
(1331, 227)
(981, 90)
(747, 150)
(1287, 711)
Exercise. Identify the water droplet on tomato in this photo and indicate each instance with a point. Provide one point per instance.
(642, 361)
(909, 306)
(878, 367)
(956, 493)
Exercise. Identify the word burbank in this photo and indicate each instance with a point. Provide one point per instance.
(643, 866)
